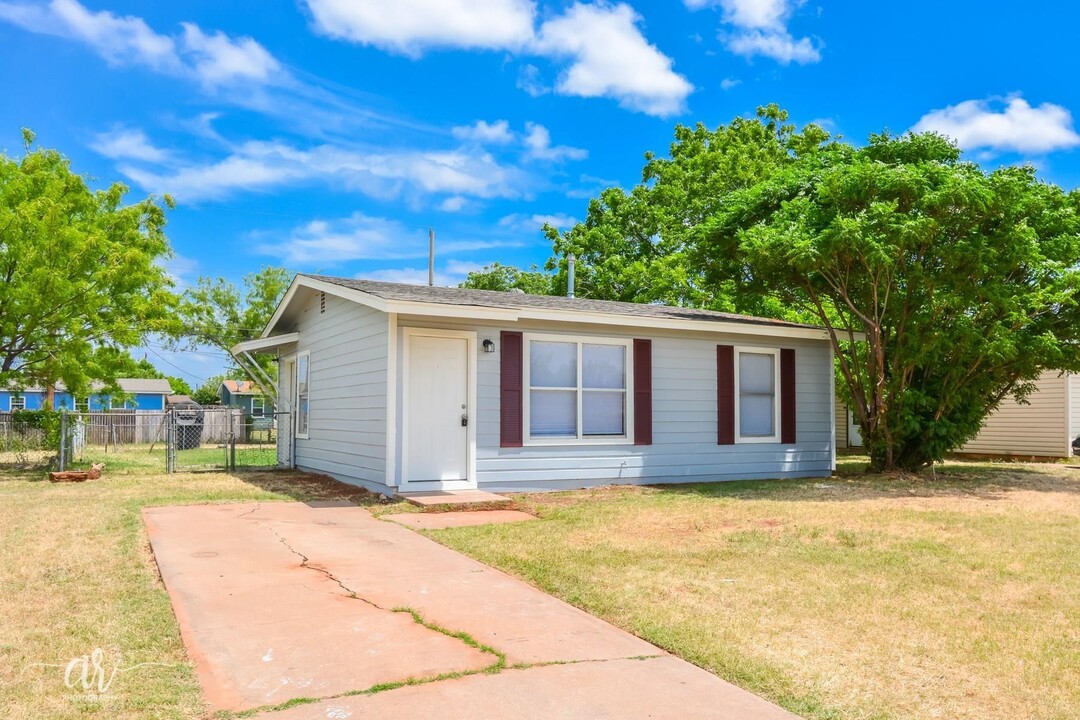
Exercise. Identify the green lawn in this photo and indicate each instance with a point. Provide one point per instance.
(853, 597)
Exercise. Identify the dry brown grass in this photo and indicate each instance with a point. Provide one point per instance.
(76, 573)
(853, 597)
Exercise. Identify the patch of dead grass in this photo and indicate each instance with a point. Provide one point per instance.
(77, 573)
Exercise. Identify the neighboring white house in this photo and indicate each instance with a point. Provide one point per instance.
(414, 388)
(1044, 427)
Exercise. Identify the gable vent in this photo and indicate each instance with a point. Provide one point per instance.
(322, 303)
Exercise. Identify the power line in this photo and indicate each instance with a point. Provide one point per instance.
(182, 370)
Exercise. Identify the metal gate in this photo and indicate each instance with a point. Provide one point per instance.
(216, 439)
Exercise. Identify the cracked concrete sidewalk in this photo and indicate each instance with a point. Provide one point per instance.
(280, 601)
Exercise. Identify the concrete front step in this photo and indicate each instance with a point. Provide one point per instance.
(454, 499)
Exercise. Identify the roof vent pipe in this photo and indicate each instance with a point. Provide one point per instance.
(570, 276)
(431, 257)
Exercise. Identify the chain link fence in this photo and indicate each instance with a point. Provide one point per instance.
(28, 440)
(182, 439)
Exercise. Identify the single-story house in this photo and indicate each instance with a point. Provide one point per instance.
(1044, 427)
(403, 388)
(243, 394)
(143, 393)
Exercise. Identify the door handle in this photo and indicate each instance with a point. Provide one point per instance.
(464, 420)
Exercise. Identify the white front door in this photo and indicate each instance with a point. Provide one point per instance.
(436, 419)
(854, 435)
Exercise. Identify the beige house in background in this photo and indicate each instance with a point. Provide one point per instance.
(1045, 427)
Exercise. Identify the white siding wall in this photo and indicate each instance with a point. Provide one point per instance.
(1038, 428)
(684, 445)
(347, 436)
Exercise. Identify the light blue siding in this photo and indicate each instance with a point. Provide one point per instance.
(684, 445)
(347, 421)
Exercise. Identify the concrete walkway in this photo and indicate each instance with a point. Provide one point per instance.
(286, 600)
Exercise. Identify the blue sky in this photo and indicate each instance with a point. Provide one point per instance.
(327, 135)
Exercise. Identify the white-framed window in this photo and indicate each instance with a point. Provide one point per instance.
(258, 406)
(303, 377)
(18, 402)
(576, 390)
(757, 383)
(82, 405)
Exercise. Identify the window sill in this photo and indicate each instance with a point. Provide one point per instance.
(774, 440)
(576, 442)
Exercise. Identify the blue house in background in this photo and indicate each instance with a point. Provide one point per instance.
(243, 394)
(144, 394)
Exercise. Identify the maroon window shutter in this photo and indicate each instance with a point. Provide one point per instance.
(725, 395)
(642, 392)
(787, 395)
(510, 390)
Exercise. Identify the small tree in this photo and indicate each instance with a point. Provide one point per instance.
(508, 277)
(217, 313)
(79, 271)
(965, 283)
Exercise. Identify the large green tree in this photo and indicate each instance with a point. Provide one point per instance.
(964, 282)
(633, 246)
(217, 313)
(79, 270)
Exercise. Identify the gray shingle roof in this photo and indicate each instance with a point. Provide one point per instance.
(510, 300)
(150, 386)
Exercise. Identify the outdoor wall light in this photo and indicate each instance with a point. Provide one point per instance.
(489, 345)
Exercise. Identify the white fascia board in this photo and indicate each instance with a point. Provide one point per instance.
(322, 286)
(443, 310)
(717, 326)
(473, 312)
(264, 343)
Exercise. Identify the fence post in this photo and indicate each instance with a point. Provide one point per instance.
(61, 460)
(232, 441)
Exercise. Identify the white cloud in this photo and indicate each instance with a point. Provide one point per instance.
(763, 14)
(454, 203)
(213, 60)
(450, 275)
(1017, 127)
(332, 242)
(607, 53)
(256, 166)
(609, 57)
(327, 243)
(538, 146)
(729, 83)
(780, 46)
(218, 59)
(496, 133)
(127, 144)
(411, 27)
(529, 80)
(760, 28)
(519, 222)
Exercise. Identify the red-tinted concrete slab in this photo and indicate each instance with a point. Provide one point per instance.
(467, 518)
(262, 629)
(615, 690)
(283, 600)
(394, 567)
